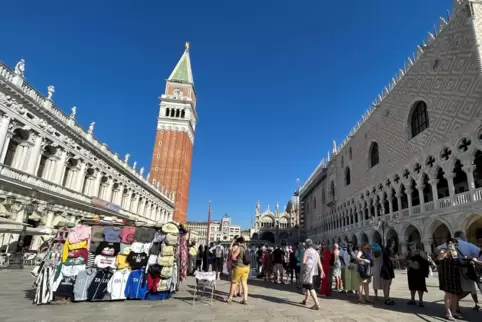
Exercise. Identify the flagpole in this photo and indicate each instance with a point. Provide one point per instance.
(209, 224)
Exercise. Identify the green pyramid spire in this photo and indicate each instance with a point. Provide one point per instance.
(183, 72)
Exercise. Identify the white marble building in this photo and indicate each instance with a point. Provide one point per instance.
(48, 158)
(221, 231)
(411, 169)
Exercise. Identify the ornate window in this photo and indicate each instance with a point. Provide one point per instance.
(374, 155)
(419, 118)
(332, 189)
(347, 176)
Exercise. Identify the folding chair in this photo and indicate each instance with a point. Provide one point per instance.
(204, 280)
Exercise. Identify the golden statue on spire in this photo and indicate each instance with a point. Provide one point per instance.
(186, 45)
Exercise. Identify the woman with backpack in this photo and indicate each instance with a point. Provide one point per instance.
(241, 265)
(364, 269)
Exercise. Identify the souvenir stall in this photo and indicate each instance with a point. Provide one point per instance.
(110, 261)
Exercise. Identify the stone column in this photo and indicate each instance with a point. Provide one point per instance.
(60, 168)
(433, 184)
(50, 219)
(71, 174)
(403, 248)
(134, 204)
(4, 123)
(109, 191)
(427, 245)
(80, 177)
(20, 156)
(408, 192)
(119, 195)
(420, 196)
(390, 206)
(34, 155)
(450, 180)
(95, 184)
(399, 202)
(469, 171)
(5, 148)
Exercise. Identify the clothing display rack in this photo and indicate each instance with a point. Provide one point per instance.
(106, 260)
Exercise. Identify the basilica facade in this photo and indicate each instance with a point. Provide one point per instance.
(411, 168)
(277, 227)
(54, 172)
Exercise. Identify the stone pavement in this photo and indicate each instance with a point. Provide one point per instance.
(267, 302)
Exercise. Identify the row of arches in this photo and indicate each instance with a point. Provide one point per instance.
(435, 188)
(427, 238)
(175, 112)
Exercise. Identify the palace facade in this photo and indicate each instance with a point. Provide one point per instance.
(411, 169)
(49, 160)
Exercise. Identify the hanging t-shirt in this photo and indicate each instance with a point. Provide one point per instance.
(97, 233)
(144, 235)
(78, 253)
(108, 249)
(117, 285)
(155, 248)
(82, 283)
(137, 260)
(66, 287)
(121, 261)
(112, 234)
(128, 235)
(98, 288)
(102, 261)
(75, 261)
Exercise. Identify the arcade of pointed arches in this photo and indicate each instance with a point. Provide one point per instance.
(426, 235)
(451, 177)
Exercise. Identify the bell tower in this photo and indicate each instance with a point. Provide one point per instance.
(176, 126)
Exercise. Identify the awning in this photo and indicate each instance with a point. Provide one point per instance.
(30, 231)
(11, 222)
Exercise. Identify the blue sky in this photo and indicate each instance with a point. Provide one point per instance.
(276, 81)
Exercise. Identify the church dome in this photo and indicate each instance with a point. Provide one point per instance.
(293, 203)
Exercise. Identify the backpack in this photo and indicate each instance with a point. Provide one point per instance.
(246, 257)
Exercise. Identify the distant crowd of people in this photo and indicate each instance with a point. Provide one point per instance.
(352, 269)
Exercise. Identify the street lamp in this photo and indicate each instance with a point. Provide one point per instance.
(383, 224)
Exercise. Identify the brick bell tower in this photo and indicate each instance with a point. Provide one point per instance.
(176, 126)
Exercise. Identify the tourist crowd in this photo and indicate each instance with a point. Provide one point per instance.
(352, 269)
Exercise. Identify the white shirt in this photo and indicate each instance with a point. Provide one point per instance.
(102, 261)
(117, 284)
(218, 250)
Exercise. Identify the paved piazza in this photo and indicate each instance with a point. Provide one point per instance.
(266, 303)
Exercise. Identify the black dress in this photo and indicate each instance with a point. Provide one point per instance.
(416, 277)
(449, 276)
(387, 271)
